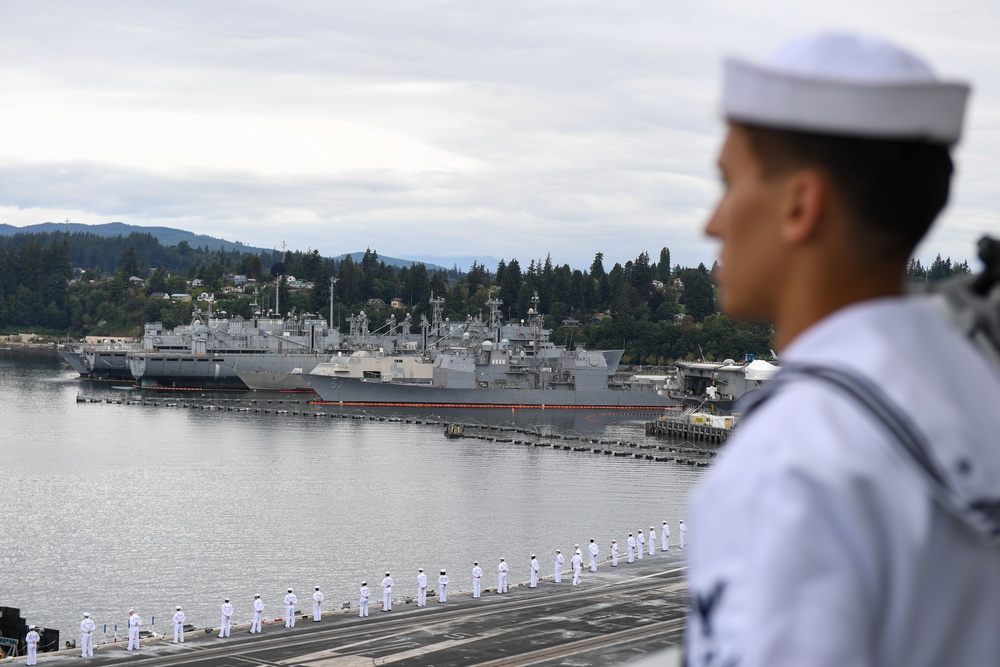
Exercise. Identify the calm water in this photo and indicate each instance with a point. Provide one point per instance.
(107, 507)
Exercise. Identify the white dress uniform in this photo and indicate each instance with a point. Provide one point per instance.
(640, 543)
(477, 581)
(577, 562)
(290, 601)
(318, 598)
(502, 576)
(134, 622)
(631, 548)
(666, 536)
(443, 584)
(853, 559)
(87, 627)
(178, 626)
(560, 561)
(682, 533)
(226, 624)
(652, 540)
(594, 550)
(533, 566)
(387, 583)
(421, 589)
(31, 640)
(258, 615)
(614, 553)
(363, 600)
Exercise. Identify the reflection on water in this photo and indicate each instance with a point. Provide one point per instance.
(110, 506)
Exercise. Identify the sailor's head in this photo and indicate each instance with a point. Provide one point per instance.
(131, 611)
(387, 574)
(420, 570)
(640, 531)
(501, 560)
(592, 540)
(630, 534)
(442, 571)
(317, 588)
(257, 596)
(844, 139)
(86, 614)
(289, 590)
(177, 608)
(31, 627)
(364, 583)
(614, 541)
(476, 563)
(532, 556)
(558, 552)
(664, 523)
(226, 600)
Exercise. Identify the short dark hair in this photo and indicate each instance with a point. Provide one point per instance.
(893, 188)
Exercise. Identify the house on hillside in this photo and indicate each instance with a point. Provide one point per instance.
(397, 304)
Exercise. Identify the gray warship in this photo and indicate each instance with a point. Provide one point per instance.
(489, 370)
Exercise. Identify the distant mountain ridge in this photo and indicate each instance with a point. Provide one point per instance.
(169, 236)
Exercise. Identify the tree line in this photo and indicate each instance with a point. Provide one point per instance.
(82, 284)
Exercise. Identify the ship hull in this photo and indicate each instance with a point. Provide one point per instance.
(351, 391)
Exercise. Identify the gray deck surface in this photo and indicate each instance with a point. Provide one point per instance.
(613, 616)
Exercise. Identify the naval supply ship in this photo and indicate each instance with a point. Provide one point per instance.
(526, 371)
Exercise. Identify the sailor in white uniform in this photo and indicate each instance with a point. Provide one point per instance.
(631, 548)
(421, 588)
(560, 561)
(363, 600)
(640, 543)
(533, 567)
(178, 625)
(31, 640)
(133, 630)
(614, 553)
(865, 479)
(652, 540)
(258, 615)
(291, 599)
(226, 625)
(666, 536)
(443, 584)
(577, 562)
(682, 530)
(502, 576)
(387, 583)
(318, 598)
(87, 628)
(477, 580)
(594, 550)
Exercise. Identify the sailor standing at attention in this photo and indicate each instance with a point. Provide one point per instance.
(421, 588)
(133, 630)
(87, 628)
(363, 600)
(318, 598)
(614, 553)
(477, 580)
(652, 540)
(443, 583)
(640, 543)
(290, 601)
(560, 561)
(594, 550)
(227, 618)
(387, 583)
(178, 625)
(682, 531)
(533, 567)
(502, 577)
(631, 548)
(31, 639)
(666, 536)
(869, 488)
(577, 562)
(258, 615)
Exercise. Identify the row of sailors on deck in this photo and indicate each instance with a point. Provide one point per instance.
(636, 547)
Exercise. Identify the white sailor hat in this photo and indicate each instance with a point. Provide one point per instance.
(131, 611)
(532, 555)
(364, 583)
(420, 569)
(31, 627)
(289, 590)
(845, 84)
(86, 613)
(226, 600)
(317, 588)
(387, 573)
(476, 563)
(442, 571)
(178, 607)
(257, 595)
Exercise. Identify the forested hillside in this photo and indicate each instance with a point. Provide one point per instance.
(75, 284)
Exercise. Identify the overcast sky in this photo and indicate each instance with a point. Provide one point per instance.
(420, 127)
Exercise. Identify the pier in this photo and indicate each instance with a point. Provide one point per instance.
(615, 615)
